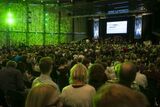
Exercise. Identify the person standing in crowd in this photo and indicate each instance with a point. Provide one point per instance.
(97, 76)
(115, 95)
(63, 73)
(45, 65)
(78, 93)
(43, 95)
(12, 85)
(127, 74)
(11, 78)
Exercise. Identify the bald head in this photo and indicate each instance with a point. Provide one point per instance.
(114, 95)
(127, 73)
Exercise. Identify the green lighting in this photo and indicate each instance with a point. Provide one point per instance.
(9, 14)
(10, 19)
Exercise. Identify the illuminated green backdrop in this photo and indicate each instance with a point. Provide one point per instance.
(36, 32)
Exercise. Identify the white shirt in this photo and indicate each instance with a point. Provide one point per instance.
(78, 97)
(44, 79)
(141, 80)
(110, 73)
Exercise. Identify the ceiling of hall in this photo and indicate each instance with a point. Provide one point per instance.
(89, 7)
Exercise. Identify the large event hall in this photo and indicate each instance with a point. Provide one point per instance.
(79, 53)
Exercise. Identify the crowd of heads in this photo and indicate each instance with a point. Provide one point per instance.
(97, 63)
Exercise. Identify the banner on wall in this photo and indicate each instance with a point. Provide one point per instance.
(96, 28)
(138, 27)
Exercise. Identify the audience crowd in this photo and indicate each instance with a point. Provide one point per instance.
(98, 73)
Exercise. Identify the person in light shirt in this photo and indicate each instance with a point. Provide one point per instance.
(45, 65)
(78, 93)
(141, 80)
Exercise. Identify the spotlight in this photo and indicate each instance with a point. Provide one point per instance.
(10, 19)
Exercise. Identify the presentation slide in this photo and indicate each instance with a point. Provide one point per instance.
(117, 27)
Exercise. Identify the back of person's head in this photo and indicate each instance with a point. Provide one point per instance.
(45, 65)
(97, 76)
(43, 95)
(63, 61)
(86, 62)
(12, 64)
(79, 59)
(152, 67)
(127, 73)
(114, 95)
(78, 73)
(73, 63)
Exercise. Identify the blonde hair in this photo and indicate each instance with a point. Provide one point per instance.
(41, 95)
(78, 73)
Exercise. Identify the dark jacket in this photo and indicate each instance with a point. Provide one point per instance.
(11, 79)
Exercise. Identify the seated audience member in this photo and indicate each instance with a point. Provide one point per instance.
(78, 93)
(45, 66)
(97, 76)
(43, 95)
(115, 95)
(127, 74)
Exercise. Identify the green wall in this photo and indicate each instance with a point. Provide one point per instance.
(38, 28)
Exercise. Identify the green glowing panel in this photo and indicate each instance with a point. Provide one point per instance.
(36, 15)
(2, 38)
(66, 23)
(17, 38)
(65, 29)
(49, 39)
(51, 21)
(16, 17)
(55, 39)
(35, 39)
(3, 14)
(10, 18)
(65, 38)
(10, 21)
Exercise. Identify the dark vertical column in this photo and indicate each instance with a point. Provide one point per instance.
(90, 28)
(73, 36)
(44, 24)
(7, 33)
(8, 37)
(73, 23)
(102, 28)
(27, 23)
(59, 24)
(147, 27)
